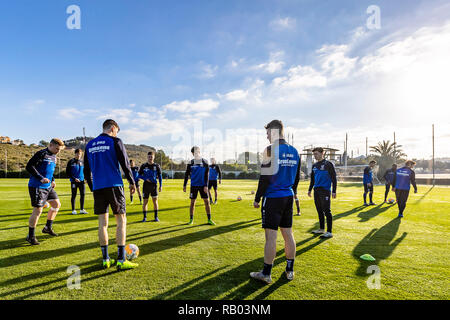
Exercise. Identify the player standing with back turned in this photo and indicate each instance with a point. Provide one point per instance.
(280, 174)
(403, 179)
(104, 157)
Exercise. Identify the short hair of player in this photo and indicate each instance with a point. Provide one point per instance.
(77, 151)
(194, 148)
(276, 124)
(57, 141)
(318, 149)
(151, 152)
(410, 163)
(373, 161)
(131, 160)
(110, 123)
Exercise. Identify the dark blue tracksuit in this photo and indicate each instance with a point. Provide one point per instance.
(324, 182)
(389, 178)
(75, 170)
(403, 179)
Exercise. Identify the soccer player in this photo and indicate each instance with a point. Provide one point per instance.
(214, 173)
(324, 182)
(198, 171)
(150, 172)
(74, 171)
(41, 188)
(389, 178)
(104, 156)
(368, 182)
(403, 178)
(280, 173)
(135, 171)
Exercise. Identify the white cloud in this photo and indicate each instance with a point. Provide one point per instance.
(121, 116)
(285, 23)
(208, 71)
(188, 106)
(69, 113)
(301, 77)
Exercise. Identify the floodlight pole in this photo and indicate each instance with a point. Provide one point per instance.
(433, 155)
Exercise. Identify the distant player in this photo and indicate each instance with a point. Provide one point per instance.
(74, 171)
(135, 171)
(368, 182)
(198, 170)
(214, 173)
(41, 188)
(150, 172)
(280, 174)
(389, 178)
(403, 178)
(324, 182)
(104, 157)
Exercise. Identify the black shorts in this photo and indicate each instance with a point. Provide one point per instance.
(367, 188)
(195, 190)
(212, 184)
(78, 185)
(277, 212)
(136, 183)
(40, 196)
(114, 197)
(149, 189)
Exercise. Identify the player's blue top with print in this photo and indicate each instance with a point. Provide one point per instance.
(368, 175)
(135, 171)
(41, 165)
(75, 169)
(403, 179)
(104, 157)
(287, 162)
(389, 176)
(198, 171)
(151, 172)
(214, 172)
(323, 175)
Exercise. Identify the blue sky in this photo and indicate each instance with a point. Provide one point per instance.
(168, 69)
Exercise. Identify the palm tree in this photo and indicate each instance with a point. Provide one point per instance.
(388, 149)
(387, 153)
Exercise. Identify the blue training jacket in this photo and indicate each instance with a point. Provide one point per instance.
(403, 179)
(41, 165)
(368, 175)
(104, 157)
(198, 171)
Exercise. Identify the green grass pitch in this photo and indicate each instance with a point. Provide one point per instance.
(178, 261)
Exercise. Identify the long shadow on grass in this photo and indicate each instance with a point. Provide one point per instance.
(424, 195)
(339, 216)
(379, 243)
(372, 213)
(42, 255)
(237, 277)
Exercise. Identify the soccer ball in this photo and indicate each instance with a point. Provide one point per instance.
(252, 192)
(239, 198)
(46, 205)
(391, 200)
(132, 251)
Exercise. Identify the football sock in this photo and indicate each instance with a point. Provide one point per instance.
(267, 270)
(145, 214)
(131, 198)
(192, 217)
(49, 224)
(31, 232)
(209, 216)
(289, 264)
(365, 197)
(370, 197)
(140, 198)
(156, 214)
(121, 253)
(105, 252)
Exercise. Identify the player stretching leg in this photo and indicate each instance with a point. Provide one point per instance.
(104, 157)
(198, 171)
(135, 171)
(280, 174)
(150, 172)
(403, 178)
(389, 178)
(368, 182)
(74, 171)
(323, 175)
(214, 173)
(41, 188)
